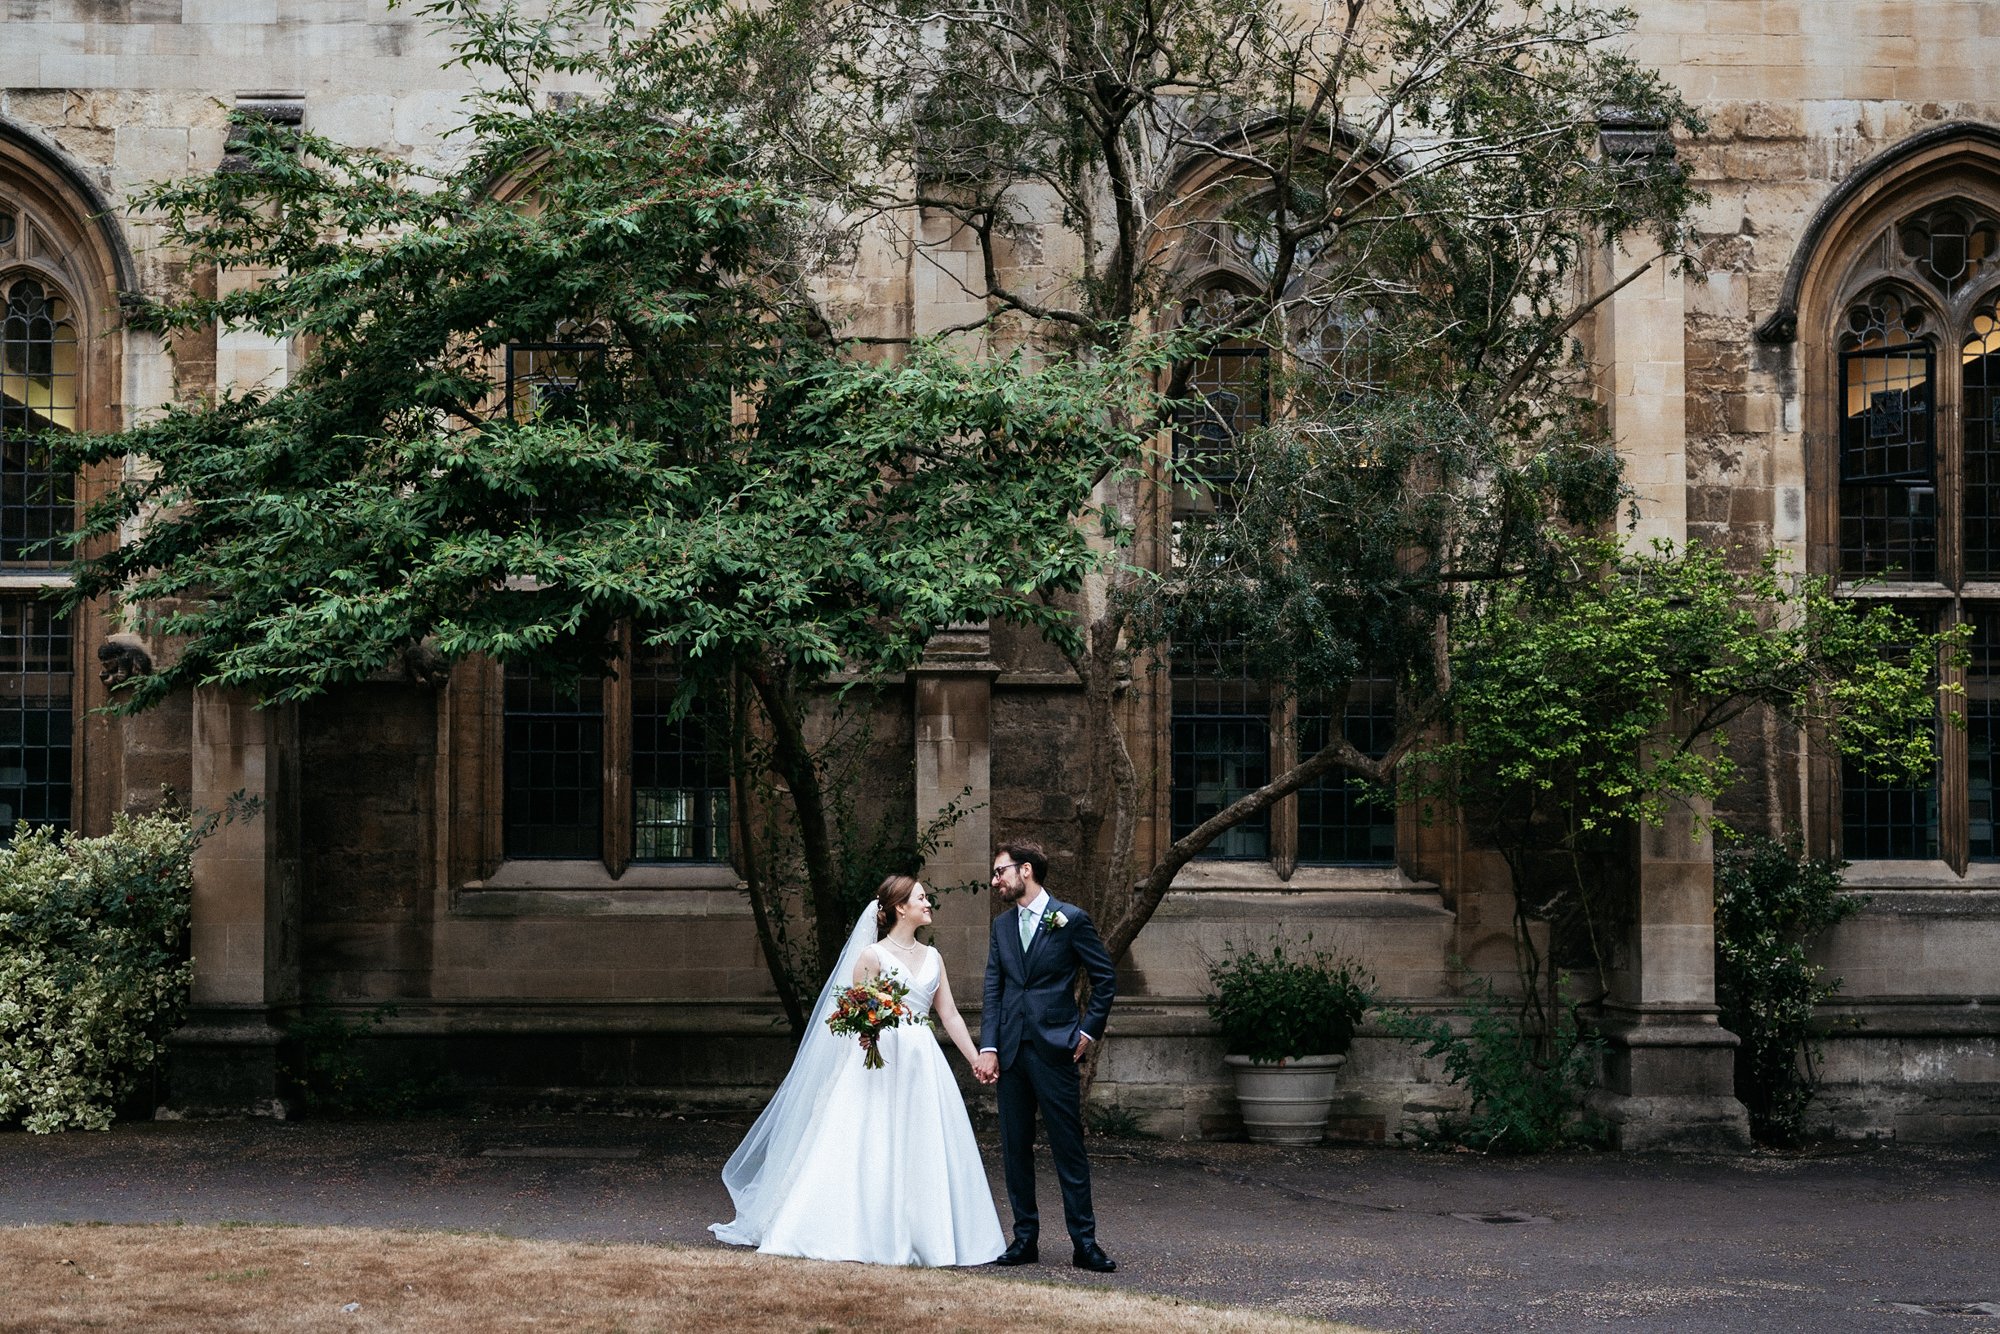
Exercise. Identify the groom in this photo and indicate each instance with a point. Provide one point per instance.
(1030, 1040)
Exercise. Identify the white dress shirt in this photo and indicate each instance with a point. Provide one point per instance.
(1033, 912)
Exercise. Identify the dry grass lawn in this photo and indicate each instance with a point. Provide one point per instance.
(286, 1279)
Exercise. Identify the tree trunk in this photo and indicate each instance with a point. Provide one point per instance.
(1107, 805)
(1152, 887)
(760, 888)
(793, 761)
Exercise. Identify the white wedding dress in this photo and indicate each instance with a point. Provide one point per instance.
(878, 1166)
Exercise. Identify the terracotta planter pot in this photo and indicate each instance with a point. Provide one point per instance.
(1285, 1102)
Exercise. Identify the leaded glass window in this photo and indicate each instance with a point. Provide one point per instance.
(1343, 820)
(1221, 744)
(1951, 245)
(680, 769)
(1232, 732)
(545, 381)
(1890, 818)
(37, 684)
(38, 396)
(1918, 460)
(1223, 396)
(1233, 385)
(1221, 741)
(1888, 466)
(1982, 733)
(1979, 414)
(554, 780)
(615, 765)
(1884, 819)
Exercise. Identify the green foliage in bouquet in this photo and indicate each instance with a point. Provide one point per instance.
(1274, 1006)
(94, 968)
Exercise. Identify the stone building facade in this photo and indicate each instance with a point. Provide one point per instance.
(1798, 390)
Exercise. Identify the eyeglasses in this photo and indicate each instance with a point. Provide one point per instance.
(1005, 866)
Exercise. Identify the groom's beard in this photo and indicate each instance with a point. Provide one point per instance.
(1013, 893)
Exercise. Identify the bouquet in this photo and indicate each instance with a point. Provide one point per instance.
(866, 1010)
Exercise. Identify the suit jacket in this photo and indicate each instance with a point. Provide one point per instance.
(1028, 992)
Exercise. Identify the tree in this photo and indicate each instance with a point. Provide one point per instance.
(1401, 198)
(1585, 708)
(716, 472)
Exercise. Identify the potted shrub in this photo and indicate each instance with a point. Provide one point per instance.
(1287, 1018)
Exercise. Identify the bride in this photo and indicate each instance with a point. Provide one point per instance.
(879, 1166)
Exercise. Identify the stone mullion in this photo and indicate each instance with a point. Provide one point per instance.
(1953, 754)
(493, 741)
(1148, 714)
(1284, 738)
(1947, 453)
(1948, 456)
(615, 749)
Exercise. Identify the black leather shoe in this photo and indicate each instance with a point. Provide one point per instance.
(1091, 1258)
(1020, 1253)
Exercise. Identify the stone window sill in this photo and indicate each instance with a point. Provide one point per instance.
(578, 888)
(1920, 875)
(19, 578)
(1249, 875)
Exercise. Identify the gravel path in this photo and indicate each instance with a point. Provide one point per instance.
(1388, 1239)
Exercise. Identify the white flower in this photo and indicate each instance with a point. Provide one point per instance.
(1056, 920)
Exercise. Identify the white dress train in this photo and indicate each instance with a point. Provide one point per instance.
(886, 1171)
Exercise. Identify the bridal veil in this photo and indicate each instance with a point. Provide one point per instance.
(758, 1173)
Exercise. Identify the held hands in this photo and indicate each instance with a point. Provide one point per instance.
(986, 1065)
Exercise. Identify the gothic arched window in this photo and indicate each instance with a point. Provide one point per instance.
(1916, 444)
(40, 396)
(606, 769)
(1231, 733)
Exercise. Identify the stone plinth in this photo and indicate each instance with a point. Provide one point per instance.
(1669, 1077)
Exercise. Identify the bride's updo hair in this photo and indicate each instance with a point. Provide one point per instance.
(894, 893)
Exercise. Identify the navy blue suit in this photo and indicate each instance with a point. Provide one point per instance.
(1029, 1017)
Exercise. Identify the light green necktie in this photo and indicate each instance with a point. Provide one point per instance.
(1027, 927)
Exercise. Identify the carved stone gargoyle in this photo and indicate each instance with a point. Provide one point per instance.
(423, 664)
(121, 658)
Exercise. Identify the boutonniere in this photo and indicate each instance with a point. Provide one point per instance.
(1055, 920)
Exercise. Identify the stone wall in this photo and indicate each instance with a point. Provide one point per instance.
(366, 855)
(523, 984)
(1912, 1038)
(1799, 96)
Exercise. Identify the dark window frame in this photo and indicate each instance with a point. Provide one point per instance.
(562, 386)
(1953, 547)
(40, 692)
(583, 753)
(1220, 717)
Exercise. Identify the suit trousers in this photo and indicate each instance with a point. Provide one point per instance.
(1050, 1084)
